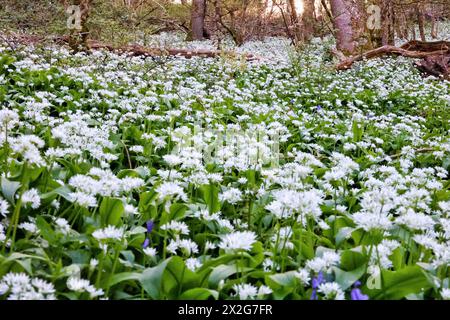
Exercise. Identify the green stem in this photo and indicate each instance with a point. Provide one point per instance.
(16, 215)
(164, 244)
(100, 269)
(116, 258)
(16, 218)
(249, 214)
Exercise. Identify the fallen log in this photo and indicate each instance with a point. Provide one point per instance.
(134, 49)
(384, 50)
(438, 66)
(137, 50)
(435, 56)
(423, 46)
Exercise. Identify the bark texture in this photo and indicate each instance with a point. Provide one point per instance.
(198, 19)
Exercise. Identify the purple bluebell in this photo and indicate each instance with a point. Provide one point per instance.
(315, 284)
(150, 226)
(146, 243)
(356, 293)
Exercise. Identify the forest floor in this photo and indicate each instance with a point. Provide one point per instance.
(164, 177)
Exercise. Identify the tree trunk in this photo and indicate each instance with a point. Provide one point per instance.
(387, 18)
(420, 19)
(294, 21)
(217, 22)
(342, 22)
(78, 39)
(198, 19)
(434, 23)
(308, 19)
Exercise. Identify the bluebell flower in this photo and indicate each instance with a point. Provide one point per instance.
(315, 284)
(150, 226)
(146, 243)
(356, 293)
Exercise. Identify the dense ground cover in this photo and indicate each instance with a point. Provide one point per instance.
(132, 178)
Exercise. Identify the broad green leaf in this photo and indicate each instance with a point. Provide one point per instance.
(177, 211)
(397, 258)
(221, 273)
(124, 276)
(211, 197)
(401, 283)
(178, 278)
(46, 230)
(287, 279)
(351, 260)
(347, 278)
(151, 279)
(111, 211)
(343, 234)
(199, 294)
(79, 256)
(9, 189)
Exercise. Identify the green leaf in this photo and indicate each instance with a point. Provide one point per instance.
(280, 280)
(177, 211)
(401, 283)
(351, 260)
(221, 273)
(124, 276)
(347, 278)
(111, 210)
(282, 284)
(397, 257)
(343, 234)
(137, 230)
(9, 189)
(257, 255)
(199, 294)
(46, 230)
(357, 131)
(64, 192)
(78, 256)
(146, 199)
(177, 278)
(211, 197)
(151, 279)
(26, 265)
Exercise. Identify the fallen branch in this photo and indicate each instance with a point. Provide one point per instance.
(384, 50)
(136, 50)
(423, 46)
(438, 66)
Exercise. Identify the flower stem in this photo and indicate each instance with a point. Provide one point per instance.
(113, 269)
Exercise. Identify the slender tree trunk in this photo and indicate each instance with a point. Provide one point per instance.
(308, 19)
(217, 22)
(434, 22)
(342, 22)
(198, 19)
(78, 39)
(295, 24)
(420, 19)
(387, 18)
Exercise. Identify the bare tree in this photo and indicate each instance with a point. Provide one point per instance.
(342, 22)
(78, 39)
(308, 19)
(198, 19)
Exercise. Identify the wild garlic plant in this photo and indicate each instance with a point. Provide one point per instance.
(132, 178)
